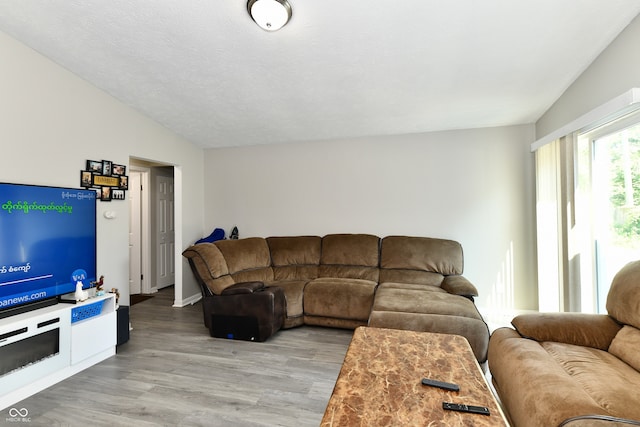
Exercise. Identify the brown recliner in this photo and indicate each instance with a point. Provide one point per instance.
(246, 310)
(573, 369)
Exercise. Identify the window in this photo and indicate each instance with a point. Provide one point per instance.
(608, 201)
(588, 214)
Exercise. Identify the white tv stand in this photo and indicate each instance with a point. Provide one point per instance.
(81, 343)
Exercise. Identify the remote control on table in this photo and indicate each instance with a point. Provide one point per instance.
(440, 384)
(483, 410)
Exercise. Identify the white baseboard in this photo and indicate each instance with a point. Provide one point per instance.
(188, 301)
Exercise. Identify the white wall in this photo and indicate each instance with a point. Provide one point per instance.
(614, 72)
(51, 122)
(474, 186)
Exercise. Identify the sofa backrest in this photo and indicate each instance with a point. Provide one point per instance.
(210, 267)
(352, 256)
(623, 299)
(295, 257)
(247, 259)
(405, 259)
(420, 260)
(623, 304)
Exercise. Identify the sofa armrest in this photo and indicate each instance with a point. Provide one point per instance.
(597, 421)
(243, 288)
(588, 330)
(459, 285)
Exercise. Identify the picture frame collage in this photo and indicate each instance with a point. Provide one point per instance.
(108, 179)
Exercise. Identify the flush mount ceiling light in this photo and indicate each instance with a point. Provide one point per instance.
(270, 15)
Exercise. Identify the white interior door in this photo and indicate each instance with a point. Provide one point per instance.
(165, 232)
(135, 234)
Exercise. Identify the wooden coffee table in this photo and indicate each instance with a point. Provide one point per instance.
(380, 382)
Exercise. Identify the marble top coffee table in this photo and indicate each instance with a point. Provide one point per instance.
(380, 382)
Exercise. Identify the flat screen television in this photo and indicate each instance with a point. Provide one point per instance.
(47, 244)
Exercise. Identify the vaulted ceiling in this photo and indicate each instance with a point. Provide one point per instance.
(338, 69)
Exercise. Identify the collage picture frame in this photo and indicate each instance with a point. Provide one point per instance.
(108, 179)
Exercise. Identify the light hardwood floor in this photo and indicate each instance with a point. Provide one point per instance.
(172, 373)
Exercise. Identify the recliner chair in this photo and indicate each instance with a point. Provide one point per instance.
(247, 310)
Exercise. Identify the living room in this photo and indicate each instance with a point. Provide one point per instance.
(475, 184)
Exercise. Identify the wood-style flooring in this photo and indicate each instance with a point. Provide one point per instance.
(172, 373)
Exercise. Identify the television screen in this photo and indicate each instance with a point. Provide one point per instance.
(47, 243)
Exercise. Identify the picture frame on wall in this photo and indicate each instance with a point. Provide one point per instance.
(86, 179)
(107, 167)
(117, 194)
(105, 181)
(108, 179)
(94, 166)
(105, 194)
(119, 170)
(124, 183)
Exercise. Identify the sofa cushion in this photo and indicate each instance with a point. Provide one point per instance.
(410, 276)
(428, 299)
(353, 256)
(339, 298)
(293, 293)
(623, 299)
(247, 259)
(296, 257)
(604, 377)
(420, 260)
(422, 254)
(245, 254)
(543, 384)
(350, 249)
(625, 346)
(429, 309)
(210, 266)
(409, 286)
(475, 331)
(591, 330)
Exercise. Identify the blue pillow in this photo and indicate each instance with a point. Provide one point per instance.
(217, 234)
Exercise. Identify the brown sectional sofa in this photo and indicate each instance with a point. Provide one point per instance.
(342, 281)
(573, 369)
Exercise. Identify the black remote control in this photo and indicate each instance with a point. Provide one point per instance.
(440, 384)
(483, 410)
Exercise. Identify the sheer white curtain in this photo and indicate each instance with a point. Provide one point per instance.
(549, 227)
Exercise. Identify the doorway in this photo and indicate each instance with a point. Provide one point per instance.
(139, 231)
(151, 227)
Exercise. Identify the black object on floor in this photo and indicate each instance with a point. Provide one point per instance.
(123, 325)
(235, 327)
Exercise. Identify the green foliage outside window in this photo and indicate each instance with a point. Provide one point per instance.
(625, 186)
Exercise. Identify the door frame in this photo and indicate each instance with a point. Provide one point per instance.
(146, 164)
(145, 227)
(135, 233)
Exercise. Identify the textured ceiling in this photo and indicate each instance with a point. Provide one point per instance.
(339, 69)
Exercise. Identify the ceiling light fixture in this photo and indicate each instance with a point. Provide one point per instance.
(270, 15)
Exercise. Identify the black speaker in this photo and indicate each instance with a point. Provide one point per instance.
(243, 328)
(123, 324)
